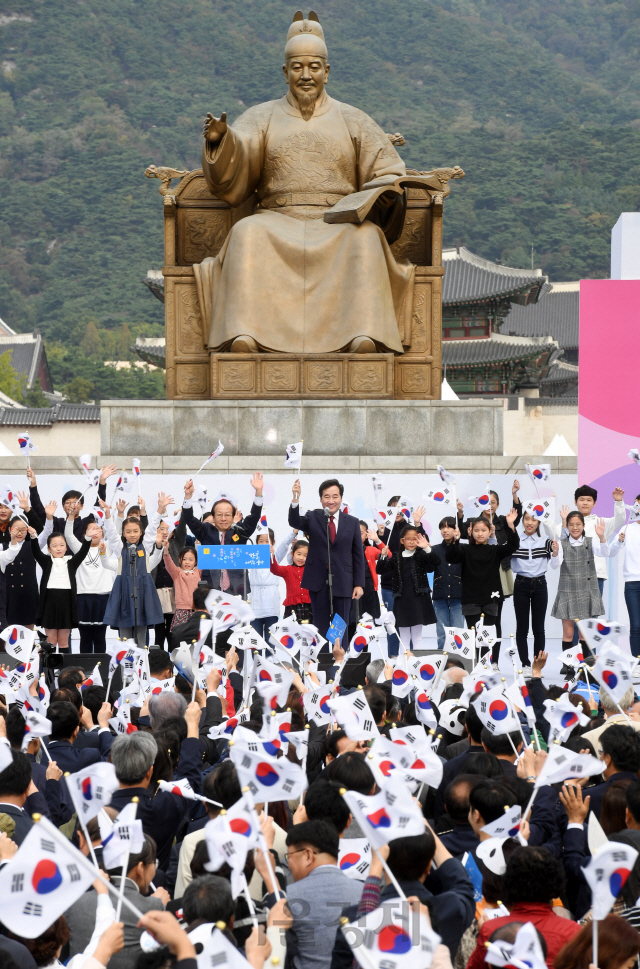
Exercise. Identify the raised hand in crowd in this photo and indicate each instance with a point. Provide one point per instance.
(163, 503)
(107, 471)
(50, 509)
(296, 490)
(121, 507)
(257, 483)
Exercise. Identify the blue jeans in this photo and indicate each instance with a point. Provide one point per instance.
(448, 613)
(393, 643)
(632, 599)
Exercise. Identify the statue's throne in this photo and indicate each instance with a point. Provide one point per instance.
(196, 223)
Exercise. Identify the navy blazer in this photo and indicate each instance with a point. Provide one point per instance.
(70, 758)
(22, 819)
(347, 554)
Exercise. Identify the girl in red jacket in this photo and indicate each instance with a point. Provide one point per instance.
(297, 601)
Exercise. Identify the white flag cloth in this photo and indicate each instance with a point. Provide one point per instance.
(354, 858)
(485, 635)
(506, 826)
(9, 498)
(439, 496)
(245, 637)
(401, 940)
(268, 779)
(272, 682)
(316, 705)
(214, 454)
(563, 717)
(42, 880)
(25, 443)
(494, 709)
(573, 656)
(524, 953)
(135, 467)
(6, 755)
(390, 814)
(293, 455)
(122, 724)
(85, 463)
(91, 789)
(218, 951)
(224, 729)
(479, 503)
(613, 672)
(300, 740)
(599, 633)
(402, 681)
(259, 744)
(277, 726)
(422, 766)
(35, 725)
(94, 680)
(606, 874)
(424, 711)
(634, 454)
(426, 669)
(285, 635)
(162, 686)
(182, 788)
(363, 637)
(231, 835)
(125, 837)
(444, 474)
(18, 640)
(124, 482)
(539, 473)
(460, 641)
(385, 515)
(480, 678)
(226, 610)
(561, 764)
(518, 693)
(354, 715)
(262, 527)
(542, 509)
(491, 854)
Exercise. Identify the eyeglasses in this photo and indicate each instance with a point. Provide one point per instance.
(288, 854)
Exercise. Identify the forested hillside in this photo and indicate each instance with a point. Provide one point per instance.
(538, 101)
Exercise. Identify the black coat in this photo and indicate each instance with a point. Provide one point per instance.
(20, 581)
(481, 568)
(447, 576)
(499, 521)
(422, 563)
(46, 564)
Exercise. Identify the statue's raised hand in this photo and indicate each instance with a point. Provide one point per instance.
(214, 129)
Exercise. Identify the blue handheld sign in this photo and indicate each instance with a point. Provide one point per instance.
(234, 556)
(337, 629)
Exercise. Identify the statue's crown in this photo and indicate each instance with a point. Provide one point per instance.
(305, 36)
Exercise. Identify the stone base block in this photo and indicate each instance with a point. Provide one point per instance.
(345, 376)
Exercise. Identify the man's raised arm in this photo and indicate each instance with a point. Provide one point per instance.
(296, 520)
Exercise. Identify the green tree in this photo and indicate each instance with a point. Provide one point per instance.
(78, 390)
(34, 397)
(91, 343)
(124, 343)
(10, 382)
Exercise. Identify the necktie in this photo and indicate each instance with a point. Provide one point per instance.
(224, 575)
(332, 529)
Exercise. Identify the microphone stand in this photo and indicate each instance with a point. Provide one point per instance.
(133, 559)
(327, 516)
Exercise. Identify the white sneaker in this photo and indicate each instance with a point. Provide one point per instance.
(526, 671)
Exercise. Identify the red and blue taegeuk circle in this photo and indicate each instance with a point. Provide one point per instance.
(610, 679)
(287, 641)
(423, 701)
(498, 710)
(324, 704)
(266, 774)
(348, 861)
(394, 940)
(386, 766)
(46, 877)
(617, 879)
(427, 672)
(568, 719)
(359, 643)
(379, 819)
(86, 789)
(240, 826)
(603, 630)
(399, 678)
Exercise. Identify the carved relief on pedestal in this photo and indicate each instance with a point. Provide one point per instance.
(191, 339)
(418, 324)
(280, 376)
(325, 377)
(367, 377)
(192, 380)
(237, 376)
(415, 379)
(202, 233)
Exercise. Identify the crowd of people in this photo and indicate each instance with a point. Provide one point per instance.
(300, 799)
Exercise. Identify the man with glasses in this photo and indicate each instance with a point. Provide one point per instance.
(318, 895)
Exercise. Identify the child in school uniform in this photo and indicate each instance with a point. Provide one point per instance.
(412, 606)
(297, 601)
(629, 540)
(265, 588)
(480, 561)
(529, 565)
(138, 553)
(447, 583)
(94, 584)
(58, 603)
(578, 595)
(185, 581)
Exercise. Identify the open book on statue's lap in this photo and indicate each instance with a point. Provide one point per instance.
(356, 207)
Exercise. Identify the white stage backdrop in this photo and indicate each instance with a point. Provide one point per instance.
(359, 496)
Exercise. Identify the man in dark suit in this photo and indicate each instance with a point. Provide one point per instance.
(15, 783)
(65, 724)
(347, 555)
(224, 531)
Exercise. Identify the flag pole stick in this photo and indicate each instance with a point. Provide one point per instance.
(392, 878)
(250, 905)
(125, 869)
(594, 941)
(85, 863)
(44, 747)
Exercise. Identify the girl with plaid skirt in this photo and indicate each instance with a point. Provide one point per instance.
(578, 594)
